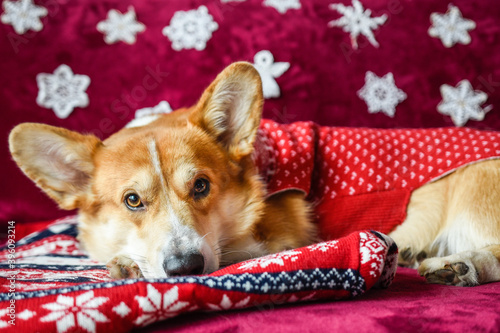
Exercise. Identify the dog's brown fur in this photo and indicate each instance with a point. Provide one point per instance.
(163, 163)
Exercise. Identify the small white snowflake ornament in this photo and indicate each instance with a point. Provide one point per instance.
(23, 15)
(282, 5)
(356, 20)
(148, 115)
(162, 107)
(190, 29)
(451, 27)
(120, 27)
(381, 94)
(269, 70)
(62, 91)
(462, 103)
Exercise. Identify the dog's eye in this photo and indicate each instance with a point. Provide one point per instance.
(133, 201)
(201, 188)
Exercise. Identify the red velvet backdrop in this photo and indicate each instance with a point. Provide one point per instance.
(321, 84)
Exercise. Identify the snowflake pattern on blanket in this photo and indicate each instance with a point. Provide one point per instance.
(58, 288)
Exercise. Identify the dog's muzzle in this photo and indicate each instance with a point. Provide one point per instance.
(192, 263)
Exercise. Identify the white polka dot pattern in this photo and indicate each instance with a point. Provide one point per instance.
(352, 161)
(290, 155)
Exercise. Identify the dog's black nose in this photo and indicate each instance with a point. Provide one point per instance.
(187, 264)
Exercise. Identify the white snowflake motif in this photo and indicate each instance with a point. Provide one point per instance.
(323, 247)
(122, 310)
(269, 70)
(37, 286)
(26, 314)
(120, 27)
(372, 250)
(277, 259)
(190, 29)
(62, 91)
(282, 5)
(381, 94)
(4, 322)
(295, 299)
(23, 15)
(80, 312)
(356, 21)
(156, 306)
(451, 27)
(462, 103)
(226, 304)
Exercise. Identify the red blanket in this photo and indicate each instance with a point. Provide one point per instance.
(52, 285)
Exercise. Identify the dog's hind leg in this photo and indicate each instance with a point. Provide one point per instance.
(424, 220)
(467, 249)
(469, 268)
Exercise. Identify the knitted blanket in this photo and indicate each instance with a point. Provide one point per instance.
(48, 283)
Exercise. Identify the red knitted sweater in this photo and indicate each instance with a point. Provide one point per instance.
(361, 178)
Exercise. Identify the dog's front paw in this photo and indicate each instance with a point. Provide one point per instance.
(449, 270)
(122, 267)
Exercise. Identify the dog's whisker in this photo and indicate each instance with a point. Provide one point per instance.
(208, 233)
(236, 251)
(221, 240)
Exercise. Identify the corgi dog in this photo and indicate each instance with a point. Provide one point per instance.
(181, 194)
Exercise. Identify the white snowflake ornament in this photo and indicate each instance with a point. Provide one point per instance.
(148, 115)
(62, 91)
(120, 27)
(462, 103)
(451, 27)
(356, 20)
(269, 70)
(190, 29)
(162, 107)
(282, 5)
(381, 94)
(23, 15)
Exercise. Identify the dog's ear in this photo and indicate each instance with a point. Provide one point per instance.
(59, 161)
(230, 109)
